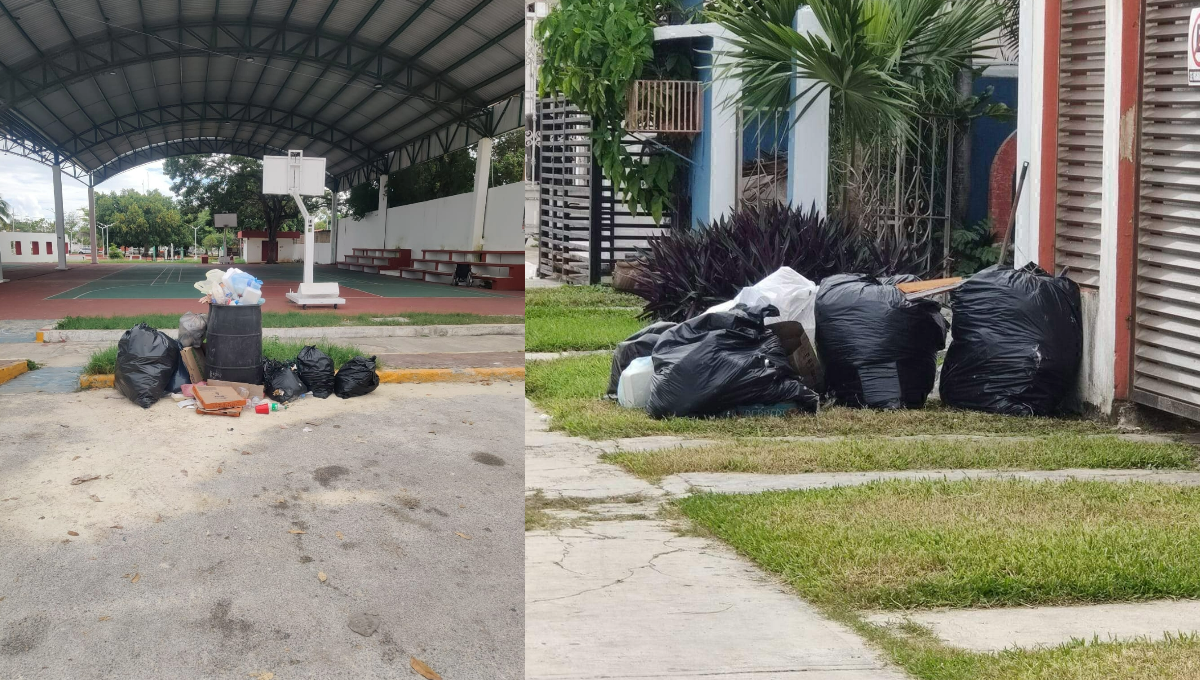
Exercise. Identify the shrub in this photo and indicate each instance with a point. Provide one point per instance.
(115, 253)
(686, 271)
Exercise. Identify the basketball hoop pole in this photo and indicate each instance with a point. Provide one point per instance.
(309, 248)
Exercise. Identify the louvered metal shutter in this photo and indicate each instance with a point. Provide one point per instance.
(1080, 138)
(1167, 332)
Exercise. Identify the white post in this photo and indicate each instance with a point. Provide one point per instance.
(483, 172)
(59, 219)
(383, 201)
(92, 217)
(724, 164)
(808, 143)
(309, 246)
(333, 227)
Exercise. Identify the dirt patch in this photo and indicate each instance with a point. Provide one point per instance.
(488, 459)
(25, 635)
(329, 474)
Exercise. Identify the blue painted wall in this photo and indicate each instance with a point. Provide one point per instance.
(987, 134)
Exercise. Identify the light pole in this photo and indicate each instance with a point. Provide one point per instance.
(195, 241)
(105, 228)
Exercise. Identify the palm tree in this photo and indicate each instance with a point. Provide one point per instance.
(883, 62)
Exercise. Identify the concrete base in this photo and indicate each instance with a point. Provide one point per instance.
(991, 630)
(315, 300)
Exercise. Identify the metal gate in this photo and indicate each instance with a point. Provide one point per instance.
(1080, 140)
(584, 226)
(1167, 328)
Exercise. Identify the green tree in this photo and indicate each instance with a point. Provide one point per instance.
(233, 184)
(508, 159)
(141, 220)
(6, 216)
(883, 62)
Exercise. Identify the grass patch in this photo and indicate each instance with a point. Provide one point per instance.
(580, 297)
(288, 320)
(967, 543)
(570, 390)
(1172, 658)
(103, 362)
(579, 318)
(1052, 452)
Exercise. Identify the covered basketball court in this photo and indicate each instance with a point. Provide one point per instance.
(95, 87)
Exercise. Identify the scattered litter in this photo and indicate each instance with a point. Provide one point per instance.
(633, 388)
(191, 329)
(340, 537)
(136, 578)
(186, 403)
(364, 624)
(247, 453)
(462, 535)
(321, 576)
(638, 345)
(80, 480)
(307, 429)
(265, 675)
(297, 531)
(790, 293)
(116, 526)
(423, 669)
(72, 533)
(76, 458)
(105, 618)
(95, 498)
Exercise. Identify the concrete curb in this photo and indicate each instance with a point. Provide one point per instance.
(47, 335)
(409, 375)
(12, 370)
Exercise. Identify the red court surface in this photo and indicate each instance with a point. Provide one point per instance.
(128, 289)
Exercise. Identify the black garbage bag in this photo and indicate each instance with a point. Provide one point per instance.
(878, 348)
(1018, 336)
(180, 377)
(281, 382)
(316, 371)
(723, 360)
(356, 378)
(146, 361)
(638, 345)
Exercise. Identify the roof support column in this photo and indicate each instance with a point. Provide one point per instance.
(383, 205)
(59, 218)
(92, 216)
(333, 228)
(483, 171)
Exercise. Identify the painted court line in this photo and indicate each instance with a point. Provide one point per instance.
(82, 285)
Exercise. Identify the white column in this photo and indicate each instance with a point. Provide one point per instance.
(483, 172)
(92, 216)
(724, 164)
(808, 143)
(59, 219)
(333, 227)
(383, 206)
(1029, 129)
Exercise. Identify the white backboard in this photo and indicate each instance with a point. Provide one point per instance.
(224, 220)
(281, 174)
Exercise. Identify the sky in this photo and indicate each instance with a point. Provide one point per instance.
(29, 188)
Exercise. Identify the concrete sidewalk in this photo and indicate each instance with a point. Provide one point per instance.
(627, 596)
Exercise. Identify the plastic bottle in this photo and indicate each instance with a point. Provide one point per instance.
(252, 293)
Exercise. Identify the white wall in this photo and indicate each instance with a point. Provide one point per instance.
(440, 223)
(26, 239)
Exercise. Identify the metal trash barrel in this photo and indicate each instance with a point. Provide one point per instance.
(233, 343)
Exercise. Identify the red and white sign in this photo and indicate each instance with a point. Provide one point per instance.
(1193, 42)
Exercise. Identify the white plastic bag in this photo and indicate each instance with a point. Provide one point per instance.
(792, 294)
(633, 390)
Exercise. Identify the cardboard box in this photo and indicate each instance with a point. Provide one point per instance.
(193, 360)
(254, 390)
(232, 412)
(218, 397)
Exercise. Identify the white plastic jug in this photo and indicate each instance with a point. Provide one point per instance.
(633, 390)
(251, 296)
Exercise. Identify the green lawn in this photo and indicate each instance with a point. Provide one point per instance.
(104, 361)
(570, 390)
(896, 545)
(289, 320)
(1052, 452)
(579, 318)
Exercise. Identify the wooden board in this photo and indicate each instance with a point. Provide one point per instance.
(918, 286)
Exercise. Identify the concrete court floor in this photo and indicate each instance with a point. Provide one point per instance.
(199, 550)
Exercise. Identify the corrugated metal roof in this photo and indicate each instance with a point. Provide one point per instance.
(105, 83)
